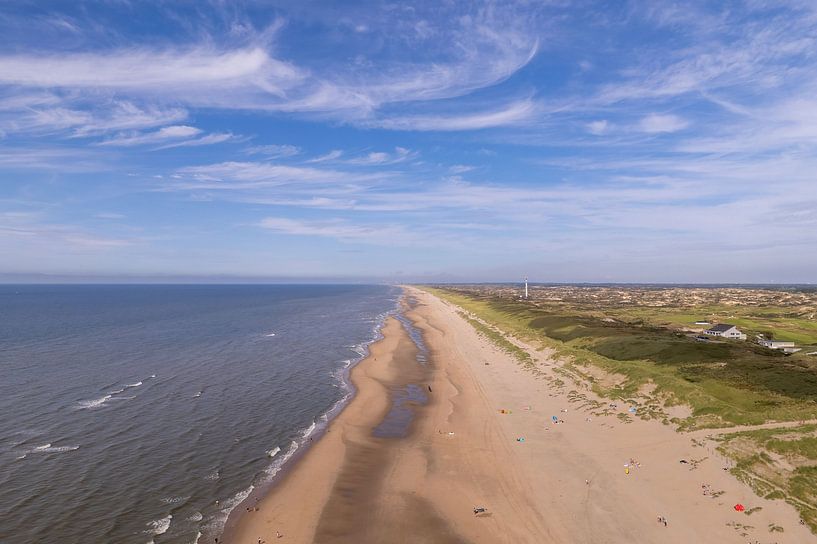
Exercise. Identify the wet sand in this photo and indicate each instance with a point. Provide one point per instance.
(564, 483)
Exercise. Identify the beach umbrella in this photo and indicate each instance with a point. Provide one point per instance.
(739, 507)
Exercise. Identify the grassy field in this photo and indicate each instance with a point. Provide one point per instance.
(780, 323)
(724, 383)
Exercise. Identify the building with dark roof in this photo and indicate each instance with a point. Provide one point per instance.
(726, 330)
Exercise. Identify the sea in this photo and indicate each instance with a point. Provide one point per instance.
(147, 413)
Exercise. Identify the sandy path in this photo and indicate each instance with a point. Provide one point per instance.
(352, 487)
(743, 428)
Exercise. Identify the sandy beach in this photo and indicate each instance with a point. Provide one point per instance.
(486, 438)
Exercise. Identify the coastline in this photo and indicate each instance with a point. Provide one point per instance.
(539, 482)
(285, 461)
(293, 505)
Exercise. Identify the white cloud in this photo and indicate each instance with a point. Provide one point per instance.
(332, 155)
(380, 158)
(63, 159)
(598, 127)
(274, 151)
(209, 139)
(125, 115)
(656, 123)
(33, 231)
(149, 70)
(339, 230)
(516, 113)
(161, 135)
(46, 113)
(484, 50)
(247, 175)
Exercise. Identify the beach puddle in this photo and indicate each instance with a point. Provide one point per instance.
(397, 422)
(406, 398)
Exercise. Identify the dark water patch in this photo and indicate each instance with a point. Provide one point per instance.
(405, 399)
(416, 337)
(397, 421)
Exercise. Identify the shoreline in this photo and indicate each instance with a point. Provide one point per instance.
(369, 405)
(484, 438)
(289, 461)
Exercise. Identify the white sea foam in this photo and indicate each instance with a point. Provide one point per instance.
(309, 429)
(48, 448)
(159, 526)
(216, 523)
(213, 476)
(174, 500)
(102, 401)
(195, 517)
(270, 335)
(273, 452)
(276, 465)
(198, 536)
(95, 403)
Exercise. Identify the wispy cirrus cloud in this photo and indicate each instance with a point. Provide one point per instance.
(150, 71)
(515, 113)
(274, 151)
(164, 134)
(49, 113)
(253, 76)
(338, 229)
(656, 123)
(247, 175)
(598, 127)
(331, 156)
(381, 158)
(208, 139)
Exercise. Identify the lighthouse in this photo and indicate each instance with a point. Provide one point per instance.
(526, 287)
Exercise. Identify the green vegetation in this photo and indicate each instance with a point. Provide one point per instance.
(778, 322)
(500, 341)
(724, 382)
(778, 464)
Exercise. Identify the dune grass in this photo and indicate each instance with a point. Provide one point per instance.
(778, 464)
(726, 383)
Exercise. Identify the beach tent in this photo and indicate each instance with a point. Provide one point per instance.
(554, 418)
(739, 507)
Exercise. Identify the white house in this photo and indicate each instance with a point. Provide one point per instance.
(725, 330)
(775, 344)
(785, 347)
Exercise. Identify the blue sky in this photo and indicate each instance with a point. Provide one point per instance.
(641, 141)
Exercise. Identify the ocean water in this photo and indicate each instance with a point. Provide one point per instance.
(126, 412)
